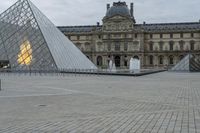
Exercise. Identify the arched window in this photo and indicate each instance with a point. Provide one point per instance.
(192, 45)
(171, 45)
(181, 44)
(181, 57)
(151, 46)
(161, 58)
(171, 60)
(136, 57)
(99, 61)
(151, 59)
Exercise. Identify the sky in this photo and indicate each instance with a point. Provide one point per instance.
(89, 12)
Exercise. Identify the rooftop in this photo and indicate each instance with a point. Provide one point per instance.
(118, 8)
(157, 27)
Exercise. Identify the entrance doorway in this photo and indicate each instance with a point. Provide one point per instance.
(99, 61)
(117, 61)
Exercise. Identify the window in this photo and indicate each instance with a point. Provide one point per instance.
(78, 45)
(117, 46)
(125, 36)
(87, 46)
(171, 45)
(161, 60)
(171, 35)
(108, 36)
(192, 35)
(99, 36)
(192, 45)
(125, 46)
(171, 60)
(136, 35)
(116, 35)
(151, 59)
(109, 46)
(181, 44)
(99, 46)
(87, 37)
(151, 36)
(78, 37)
(150, 46)
(161, 35)
(161, 43)
(181, 35)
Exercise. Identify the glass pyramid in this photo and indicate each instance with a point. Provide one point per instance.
(189, 63)
(29, 40)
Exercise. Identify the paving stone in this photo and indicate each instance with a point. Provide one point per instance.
(159, 103)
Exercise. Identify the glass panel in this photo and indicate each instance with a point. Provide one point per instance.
(22, 40)
(30, 41)
(64, 52)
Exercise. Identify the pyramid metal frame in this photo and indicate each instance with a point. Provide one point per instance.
(29, 40)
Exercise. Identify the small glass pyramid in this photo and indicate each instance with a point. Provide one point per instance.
(189, 63)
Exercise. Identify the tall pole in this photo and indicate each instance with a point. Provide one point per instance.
(0, 84)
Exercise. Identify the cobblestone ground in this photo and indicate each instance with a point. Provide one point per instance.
(164, 102)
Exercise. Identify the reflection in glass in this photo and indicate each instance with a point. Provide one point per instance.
(25, 55)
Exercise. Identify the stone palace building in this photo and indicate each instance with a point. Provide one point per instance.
(119, 38)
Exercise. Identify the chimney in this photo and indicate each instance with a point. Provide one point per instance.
(131, 9)
(108, 6)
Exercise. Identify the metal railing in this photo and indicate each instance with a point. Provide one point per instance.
(76, 72)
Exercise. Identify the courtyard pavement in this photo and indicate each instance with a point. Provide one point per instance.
(165, 102)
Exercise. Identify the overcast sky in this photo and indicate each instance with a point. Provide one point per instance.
(88, 12)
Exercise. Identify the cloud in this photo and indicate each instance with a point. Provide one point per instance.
(88, 12)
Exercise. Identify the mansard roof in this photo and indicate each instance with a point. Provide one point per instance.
(118, 8)
(79, 29)
(157, 27)
(171, 27)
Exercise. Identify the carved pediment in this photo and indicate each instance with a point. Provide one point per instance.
(117, 18)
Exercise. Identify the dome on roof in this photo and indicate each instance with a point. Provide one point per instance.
(119, 8)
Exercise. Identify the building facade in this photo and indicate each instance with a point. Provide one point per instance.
(120, 38)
